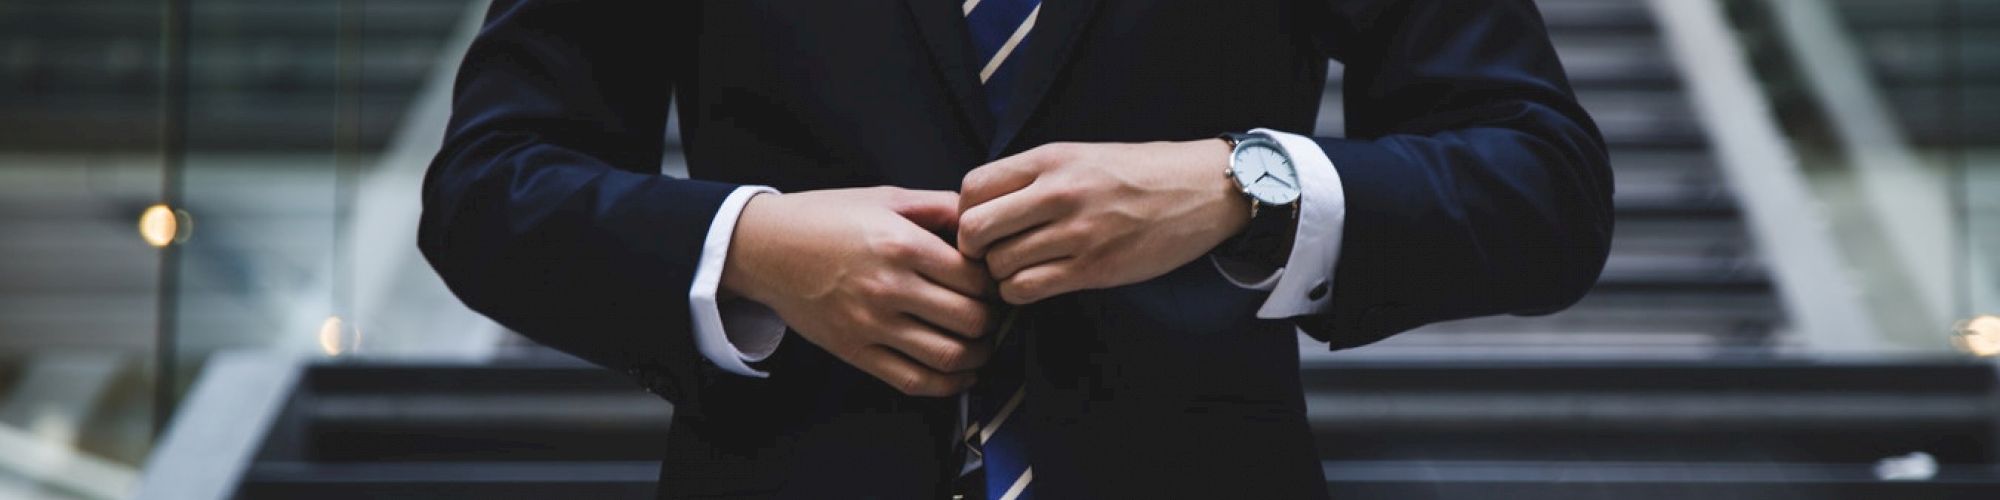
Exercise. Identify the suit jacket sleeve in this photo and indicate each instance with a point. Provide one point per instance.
(545, 209)
(1475, 183)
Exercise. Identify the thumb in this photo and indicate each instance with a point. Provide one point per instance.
(932, 210)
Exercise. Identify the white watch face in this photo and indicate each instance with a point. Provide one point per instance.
(1266, 174)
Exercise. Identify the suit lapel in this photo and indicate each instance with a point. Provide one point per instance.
(943, 26)
(1042, 59)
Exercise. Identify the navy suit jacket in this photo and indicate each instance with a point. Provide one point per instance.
(1475, 185)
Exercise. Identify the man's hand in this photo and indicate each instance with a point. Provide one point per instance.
(1068, 217)
(860, 273)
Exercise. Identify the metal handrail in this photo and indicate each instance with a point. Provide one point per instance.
(220, 426)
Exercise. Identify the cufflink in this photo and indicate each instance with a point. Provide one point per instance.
(1317, 292)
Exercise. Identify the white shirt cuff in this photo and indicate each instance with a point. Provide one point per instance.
(1304, 285)
(731, 332)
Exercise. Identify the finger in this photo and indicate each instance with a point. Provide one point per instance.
(1044, 244)
(908, 376)
(982, 225)
(1002, 176)
(1041, 282)
(933, 348)
(931, 210)
(937, 261)
(947, 309)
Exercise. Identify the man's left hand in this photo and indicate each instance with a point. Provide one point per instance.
(1067, 217)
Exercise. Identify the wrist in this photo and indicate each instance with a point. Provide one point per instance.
(753, 235)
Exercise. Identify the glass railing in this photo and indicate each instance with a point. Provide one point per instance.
(82, 156)
(184, 177)
(1890, 107)
(308, 127)
(308, 130)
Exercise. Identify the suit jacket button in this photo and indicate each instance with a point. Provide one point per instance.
(1317, 292)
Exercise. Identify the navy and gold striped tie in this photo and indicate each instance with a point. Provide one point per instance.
(999, 28)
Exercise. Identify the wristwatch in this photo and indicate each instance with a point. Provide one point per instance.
(1265, 174)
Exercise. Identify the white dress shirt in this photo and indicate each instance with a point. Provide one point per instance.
(733, 332)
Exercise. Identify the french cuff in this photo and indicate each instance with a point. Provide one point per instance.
(1304, 286)
(730, 332)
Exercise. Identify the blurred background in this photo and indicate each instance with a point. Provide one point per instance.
(209, 286)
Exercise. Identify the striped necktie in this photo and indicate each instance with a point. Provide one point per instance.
(999, 28)
(994, 432)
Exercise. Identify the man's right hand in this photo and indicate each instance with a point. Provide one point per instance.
(861, 273)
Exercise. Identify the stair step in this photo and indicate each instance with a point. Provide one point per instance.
(1584, 479)
(450, 480)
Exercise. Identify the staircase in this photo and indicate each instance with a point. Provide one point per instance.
(1394, 430)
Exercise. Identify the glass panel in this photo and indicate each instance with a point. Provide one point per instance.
(264, 157)
(1936, 66)
(309, 128)
(1973, 63)
(1891, 109)
(81, 159)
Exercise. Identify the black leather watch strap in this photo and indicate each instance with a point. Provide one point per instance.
(1267, 240)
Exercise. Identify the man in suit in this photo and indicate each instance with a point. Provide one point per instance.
(793, 301)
